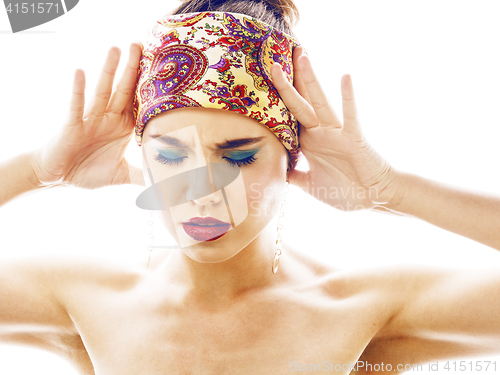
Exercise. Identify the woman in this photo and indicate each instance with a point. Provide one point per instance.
(224, 310)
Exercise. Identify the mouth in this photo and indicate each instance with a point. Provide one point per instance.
(205, 228)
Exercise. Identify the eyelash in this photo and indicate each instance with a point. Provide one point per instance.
(246, 161)
(162, 159)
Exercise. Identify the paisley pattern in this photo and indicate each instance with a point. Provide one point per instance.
(180, 20)
(216, 60)
(252, 30)
(174, 73)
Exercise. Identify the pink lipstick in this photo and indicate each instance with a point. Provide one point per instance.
(205, 228)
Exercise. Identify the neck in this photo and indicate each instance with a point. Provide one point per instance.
(223, 282)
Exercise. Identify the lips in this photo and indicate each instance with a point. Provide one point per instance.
(205, 228)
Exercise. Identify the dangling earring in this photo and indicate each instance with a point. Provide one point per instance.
(277, 253)
(151, 237)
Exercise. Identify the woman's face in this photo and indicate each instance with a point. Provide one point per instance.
(220, 177)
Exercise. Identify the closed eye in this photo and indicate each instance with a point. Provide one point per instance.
(236, 157)
(240, 162)
(241, 157)
(169, 161)
(169, 157)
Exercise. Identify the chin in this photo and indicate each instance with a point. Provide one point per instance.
(215, 251)
(225, 247)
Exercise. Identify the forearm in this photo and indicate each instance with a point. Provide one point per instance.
(470, 214)
(16, 177)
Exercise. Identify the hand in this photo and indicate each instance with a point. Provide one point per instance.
(88, 151)
(344, 170)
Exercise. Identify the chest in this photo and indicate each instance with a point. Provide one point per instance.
(272, 336)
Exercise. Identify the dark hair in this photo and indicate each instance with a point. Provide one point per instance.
(280, 14)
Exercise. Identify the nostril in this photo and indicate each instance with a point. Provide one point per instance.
(213, 198)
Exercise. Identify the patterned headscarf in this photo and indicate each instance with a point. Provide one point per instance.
(216, 60)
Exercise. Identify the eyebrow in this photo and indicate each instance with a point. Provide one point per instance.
(168, 140)
(232, 143)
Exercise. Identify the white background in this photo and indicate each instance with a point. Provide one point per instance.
(427, 82)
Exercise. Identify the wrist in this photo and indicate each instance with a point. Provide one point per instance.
(30, 174)
(401, 184)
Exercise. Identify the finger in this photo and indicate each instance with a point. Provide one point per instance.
(129, 107)
(350, 112)
(295, 103)
(387, 211)
(126, 87)
(128, 174)
(298, 82)
(299, 178)
(319, 101)
(105, 83)
(77, 104)
(135, 176)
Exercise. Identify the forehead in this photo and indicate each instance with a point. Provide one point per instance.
(212, 125)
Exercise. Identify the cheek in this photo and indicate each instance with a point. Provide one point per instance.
(264, 189)
(146, 172)
(266, 186)
(264, 199)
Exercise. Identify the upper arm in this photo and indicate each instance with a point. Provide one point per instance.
(31, 311)
(444, 313)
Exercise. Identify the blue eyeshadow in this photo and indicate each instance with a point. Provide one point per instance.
(242, 154)
(170, 154)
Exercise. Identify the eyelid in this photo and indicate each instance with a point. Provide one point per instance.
(181, 151)
(243, 152)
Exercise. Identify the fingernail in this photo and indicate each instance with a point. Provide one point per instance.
(139, 42)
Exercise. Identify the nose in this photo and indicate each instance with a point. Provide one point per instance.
(199, 189)
(213, 198)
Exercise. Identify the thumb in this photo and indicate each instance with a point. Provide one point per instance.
(349, 109)
(133, 175)
(136, 176)
(299, 178)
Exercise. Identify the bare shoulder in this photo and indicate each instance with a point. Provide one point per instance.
(72, 281)
(64, 271)
(377, 293)
(43, 296)
(392, 281)
(386, 281)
